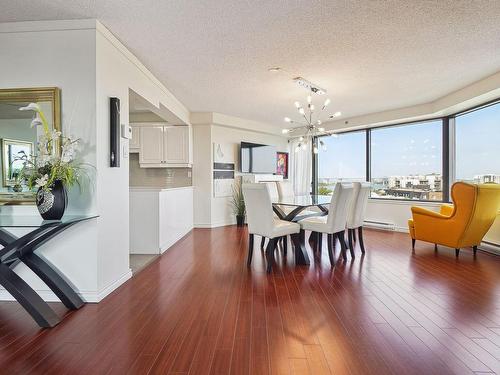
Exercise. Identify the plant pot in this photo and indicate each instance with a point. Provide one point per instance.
(240, 220)
(52, 203)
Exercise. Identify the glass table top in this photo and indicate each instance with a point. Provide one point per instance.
(35, 221)
(303, 200)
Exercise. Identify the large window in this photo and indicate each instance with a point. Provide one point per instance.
(343, 159)
(477, 143)
(406, 161)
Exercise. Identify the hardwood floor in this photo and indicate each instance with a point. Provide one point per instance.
(199, 310)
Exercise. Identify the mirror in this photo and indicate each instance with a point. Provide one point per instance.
(17, 136)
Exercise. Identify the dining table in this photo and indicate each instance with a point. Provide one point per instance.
(295, 208)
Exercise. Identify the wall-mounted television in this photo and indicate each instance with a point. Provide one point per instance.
(257, 158)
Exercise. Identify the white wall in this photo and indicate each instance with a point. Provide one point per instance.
(89, 65)
(65, 59)
(215, 128)
(202, 175)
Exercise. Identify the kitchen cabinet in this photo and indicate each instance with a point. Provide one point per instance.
(134, 144)
(164, 145)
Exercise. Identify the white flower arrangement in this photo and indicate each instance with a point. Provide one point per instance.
(44, 168)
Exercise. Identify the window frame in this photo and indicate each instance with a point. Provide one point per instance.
(448, 151)
(452, 120)
(368, 155)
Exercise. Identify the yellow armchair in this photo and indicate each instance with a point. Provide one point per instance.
(462, 224)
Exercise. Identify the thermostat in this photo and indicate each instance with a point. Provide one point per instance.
(126, 131)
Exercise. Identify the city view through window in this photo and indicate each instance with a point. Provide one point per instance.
(406, 160)
(478, 145)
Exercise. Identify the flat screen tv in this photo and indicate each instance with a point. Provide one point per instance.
(256, 158)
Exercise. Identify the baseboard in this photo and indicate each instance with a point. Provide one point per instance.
(110, 288)
(490, 247)
(164, 248)
(88, 296)
(216, 224)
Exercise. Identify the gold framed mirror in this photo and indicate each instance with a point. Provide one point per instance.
(17, 135)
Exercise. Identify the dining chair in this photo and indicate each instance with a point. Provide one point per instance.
(356, 215)
(274, 195)
(334, 223)
(262, 222)
(285, 189)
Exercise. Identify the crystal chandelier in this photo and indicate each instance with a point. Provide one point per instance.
(310, 126)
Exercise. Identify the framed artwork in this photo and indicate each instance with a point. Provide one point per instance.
(282, 164)
(12, 150)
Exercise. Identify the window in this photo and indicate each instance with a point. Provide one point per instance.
(343, 159)
(477, 140)
(406, 161)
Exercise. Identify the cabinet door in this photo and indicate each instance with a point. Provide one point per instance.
(135, 143)
(151, 149)
(176, 144)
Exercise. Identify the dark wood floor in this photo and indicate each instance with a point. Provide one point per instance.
(199, 310)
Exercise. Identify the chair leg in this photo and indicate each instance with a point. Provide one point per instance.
(413, 244)
(285, 244)
(435, 247)
(331, 244)
(319, 245)
(350, 235)
(361, 240)
(271, 245)
(351, 250)
(262, 242)
(343, 247)
(354, 235)
(312, 240)
(250, 249)
(457, 251)
(474, 249)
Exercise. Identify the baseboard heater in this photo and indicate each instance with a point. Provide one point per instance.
(490, 247)
(379, 225)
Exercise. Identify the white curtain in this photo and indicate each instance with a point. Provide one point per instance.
(302, 168)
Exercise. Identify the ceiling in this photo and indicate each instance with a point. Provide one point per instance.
(371, 56)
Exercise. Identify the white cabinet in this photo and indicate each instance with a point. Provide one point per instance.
(176, 144)
(152, 145)
(164, 146)
(159, 218)
(134, 144)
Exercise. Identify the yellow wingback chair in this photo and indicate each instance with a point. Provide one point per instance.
(462, 224)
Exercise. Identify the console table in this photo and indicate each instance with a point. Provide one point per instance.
(21, 249)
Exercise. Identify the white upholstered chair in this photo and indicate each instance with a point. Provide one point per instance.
(262, 222)
(356, 216)
(334, 223)
(285, 189)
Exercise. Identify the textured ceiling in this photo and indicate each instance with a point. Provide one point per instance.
(370, 55)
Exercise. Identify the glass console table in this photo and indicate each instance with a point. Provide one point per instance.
(21, 249)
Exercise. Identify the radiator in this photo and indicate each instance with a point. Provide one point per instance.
(379, 225)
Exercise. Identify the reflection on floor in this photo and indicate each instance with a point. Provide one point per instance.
(139, 261)
(199, 310)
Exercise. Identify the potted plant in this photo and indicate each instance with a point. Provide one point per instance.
(49, 171)
(238, 204)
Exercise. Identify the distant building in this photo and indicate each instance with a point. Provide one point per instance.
(487, 178)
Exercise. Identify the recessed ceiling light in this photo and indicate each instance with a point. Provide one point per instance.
(274, 69)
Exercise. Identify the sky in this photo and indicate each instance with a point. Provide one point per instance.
(417, 149)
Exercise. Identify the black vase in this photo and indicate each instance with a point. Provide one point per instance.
(240, 220)
(52, 203)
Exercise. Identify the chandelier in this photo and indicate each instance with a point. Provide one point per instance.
(310, 125)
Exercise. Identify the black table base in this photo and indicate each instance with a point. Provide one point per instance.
(22, 249)
(299, 239)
